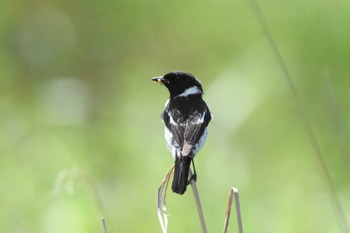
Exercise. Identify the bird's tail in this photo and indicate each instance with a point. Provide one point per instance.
(182, 167)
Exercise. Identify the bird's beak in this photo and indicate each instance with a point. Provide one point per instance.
(158, 80)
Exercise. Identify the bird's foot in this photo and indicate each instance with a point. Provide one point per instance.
(193, 177)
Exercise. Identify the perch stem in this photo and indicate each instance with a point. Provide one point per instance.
(233, 194)
(198, 204)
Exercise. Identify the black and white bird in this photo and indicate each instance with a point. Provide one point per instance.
(185, 117)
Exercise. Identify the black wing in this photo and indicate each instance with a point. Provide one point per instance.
(175, 122)
(186, 132)
(194, 129)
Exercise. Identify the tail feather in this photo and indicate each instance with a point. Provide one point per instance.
(182, 167)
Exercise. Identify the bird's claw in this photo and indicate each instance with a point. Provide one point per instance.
(193, 177)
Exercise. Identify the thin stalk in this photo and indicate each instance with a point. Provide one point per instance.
(198, 203)
(233, 193)
(161, 201)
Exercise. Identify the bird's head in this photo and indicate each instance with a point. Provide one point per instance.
(180, 83)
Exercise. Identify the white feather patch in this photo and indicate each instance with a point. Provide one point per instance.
(172, 145)
(201, 120)
(171, 119)
(166, 103)
(190, 91)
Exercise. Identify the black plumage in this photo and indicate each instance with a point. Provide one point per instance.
(186, 117)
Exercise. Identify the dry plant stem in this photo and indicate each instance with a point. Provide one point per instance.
(104, 225)
(238, 210)
(198, 203)
(233, 193)
(161, 201)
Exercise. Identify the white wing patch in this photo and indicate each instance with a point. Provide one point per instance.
(171, 119)
(201, 120)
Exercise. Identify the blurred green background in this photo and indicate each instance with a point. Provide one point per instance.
(81, 135)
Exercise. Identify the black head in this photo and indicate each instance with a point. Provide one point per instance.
(177, 82)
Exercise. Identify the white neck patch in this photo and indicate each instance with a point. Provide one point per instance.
(190, 91)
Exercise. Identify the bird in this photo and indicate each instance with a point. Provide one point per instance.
(186, 117)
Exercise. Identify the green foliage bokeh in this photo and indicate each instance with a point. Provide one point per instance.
(81, 136)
